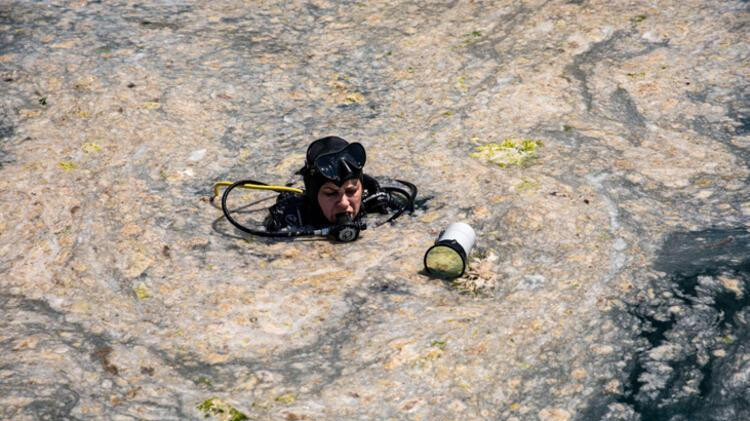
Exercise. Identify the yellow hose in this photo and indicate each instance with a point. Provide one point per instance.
(220, 184)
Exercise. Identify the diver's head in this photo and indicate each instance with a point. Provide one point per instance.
(333, 176)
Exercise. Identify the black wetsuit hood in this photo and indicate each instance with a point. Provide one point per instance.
(314, 178)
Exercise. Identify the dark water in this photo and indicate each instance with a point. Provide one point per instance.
(692, 361)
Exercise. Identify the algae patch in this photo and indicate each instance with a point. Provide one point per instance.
(221, 410)
(440, 344)
(67, 165)
(468, 39)
(141, 291)
(527, 185)
(519, 152)
(461, 84)
(91, 148)
(286, 398)
(354, 98)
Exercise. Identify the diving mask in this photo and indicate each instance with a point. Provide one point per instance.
(341, 165)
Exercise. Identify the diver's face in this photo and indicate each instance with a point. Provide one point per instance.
(334, 200)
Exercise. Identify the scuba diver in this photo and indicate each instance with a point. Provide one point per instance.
(336, 199)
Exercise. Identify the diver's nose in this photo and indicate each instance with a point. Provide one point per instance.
(344, 202)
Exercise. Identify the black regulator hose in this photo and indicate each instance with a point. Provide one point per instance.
(413, 190)
(261, 233)
(410, 197)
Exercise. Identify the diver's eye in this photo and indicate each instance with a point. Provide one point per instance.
(330, 193)
(351, 192)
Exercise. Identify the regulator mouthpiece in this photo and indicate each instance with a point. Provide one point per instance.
(447, 258)
(346, 229)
